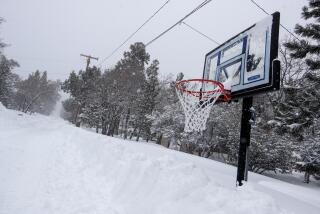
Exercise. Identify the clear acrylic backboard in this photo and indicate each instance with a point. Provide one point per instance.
(248, 60)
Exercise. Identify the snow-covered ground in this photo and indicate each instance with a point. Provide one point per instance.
(49, 166)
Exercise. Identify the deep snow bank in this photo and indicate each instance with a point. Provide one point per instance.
(49, 166)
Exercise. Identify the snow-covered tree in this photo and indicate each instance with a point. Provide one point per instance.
(69, 106)
(167, 117)
(73, 86)
(269, 152)
(82, 88)
(298, 107)
(296, 110)
(122, 86)
(37, 94)
(308, 152)
(309, 158)
(308, 48)
(147, 100)
(7, 78)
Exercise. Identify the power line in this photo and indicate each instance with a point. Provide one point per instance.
(129, 37)
(180, 21)
(286, 29)
(260, 7)
(204, 35)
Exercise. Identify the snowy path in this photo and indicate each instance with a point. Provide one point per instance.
(49, 166)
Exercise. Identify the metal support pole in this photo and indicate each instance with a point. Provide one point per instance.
(244, 140)
(247, 164)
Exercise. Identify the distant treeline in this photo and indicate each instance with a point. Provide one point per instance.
(33, 94)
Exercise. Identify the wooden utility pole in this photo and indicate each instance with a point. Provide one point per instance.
(77, 121)
(88, 59)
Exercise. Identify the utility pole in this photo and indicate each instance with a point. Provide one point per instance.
(77, 121)
(88, 59)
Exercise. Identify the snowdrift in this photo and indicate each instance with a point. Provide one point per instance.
(50, 166)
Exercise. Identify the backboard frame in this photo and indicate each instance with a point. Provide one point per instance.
(271, 78)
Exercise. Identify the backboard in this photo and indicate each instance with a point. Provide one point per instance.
(247, 63)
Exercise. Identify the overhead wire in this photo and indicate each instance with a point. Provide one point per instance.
(179, 22)
(202, 34)
(131, 35)
(285, 28)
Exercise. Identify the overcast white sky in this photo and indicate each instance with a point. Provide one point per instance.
(50, 35)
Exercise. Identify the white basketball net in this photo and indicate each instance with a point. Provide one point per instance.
(196, 109)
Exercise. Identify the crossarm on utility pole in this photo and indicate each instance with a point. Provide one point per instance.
(88, 59)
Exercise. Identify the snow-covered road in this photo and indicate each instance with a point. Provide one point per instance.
(49, 166)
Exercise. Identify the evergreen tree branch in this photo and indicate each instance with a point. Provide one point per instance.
(299, 48)
(314, 13)
(313, 64)
(309, 31)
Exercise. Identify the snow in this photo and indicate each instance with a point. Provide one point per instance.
(58, 110)
(274, 123)
(228, 83)
(295, 178)
(49, 166)
(294, 126)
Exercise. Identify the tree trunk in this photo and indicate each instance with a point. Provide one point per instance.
(116, 127)
(104, 126)
(76, 116)
(23, 105)
(148, 135)
(131, 135)
(159, 139)
(306, 177)
(97, 128)
(134, 131)
(111, 129)
(126, 125)
(120, 128)
(198, 151)
(138, 135)
(33, 100)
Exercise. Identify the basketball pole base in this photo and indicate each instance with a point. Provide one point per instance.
(244, 140)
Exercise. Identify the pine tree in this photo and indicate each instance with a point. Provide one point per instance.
(69, 105)
(124, 83)
(82, 88)
(37, 94)
(91, 106)
(7, 77)
(298, 107)
(269, 151)
(309, 47)
(309, 150)
(147, 100)
(7, 80)
(72, 105)
(167, 117)
(309, 157)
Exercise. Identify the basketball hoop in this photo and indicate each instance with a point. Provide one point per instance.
(197, 96)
